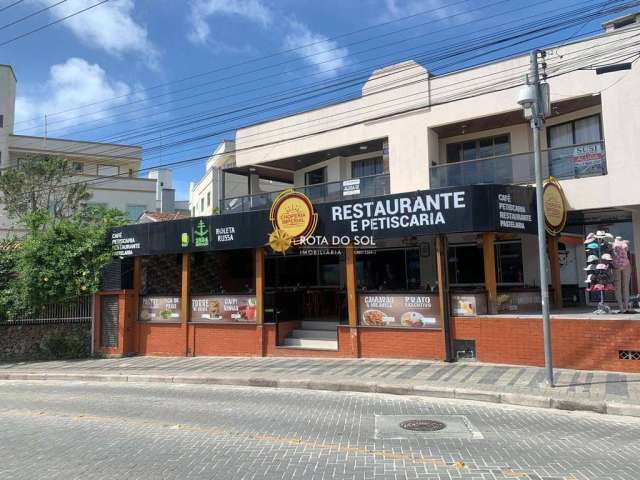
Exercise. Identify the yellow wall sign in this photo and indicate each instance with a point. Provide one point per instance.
(555, 206)
(292, 216)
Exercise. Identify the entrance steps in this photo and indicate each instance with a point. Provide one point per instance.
(314, 335)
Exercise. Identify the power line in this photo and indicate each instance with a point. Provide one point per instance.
(367, 74)
(11, 5)
(274, 54)
(26, 17)
(55, 22)
(188, 140)
(475, 93)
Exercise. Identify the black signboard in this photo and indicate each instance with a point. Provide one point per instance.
(476, 208)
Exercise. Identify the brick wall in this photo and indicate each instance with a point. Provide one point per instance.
(28, 341)
(225, 340)
(401, 343)
(579, 344)
(163, 339)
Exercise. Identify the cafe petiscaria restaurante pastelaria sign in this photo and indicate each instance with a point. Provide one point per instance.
(475, 208)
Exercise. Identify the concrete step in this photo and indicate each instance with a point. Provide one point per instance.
(315, 334)
(312, 344)
(319, 325)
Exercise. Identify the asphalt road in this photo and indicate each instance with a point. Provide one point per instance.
(53, 430)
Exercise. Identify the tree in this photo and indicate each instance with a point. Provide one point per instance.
(41, 183)
(63, 258)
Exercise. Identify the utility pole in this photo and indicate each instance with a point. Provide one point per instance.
(531, 99)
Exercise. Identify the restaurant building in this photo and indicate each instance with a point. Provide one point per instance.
(408, 229)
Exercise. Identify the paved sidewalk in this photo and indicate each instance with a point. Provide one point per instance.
(603, 392)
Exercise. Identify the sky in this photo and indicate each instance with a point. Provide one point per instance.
(143, 71)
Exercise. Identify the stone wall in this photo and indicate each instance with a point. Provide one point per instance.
(39, 341)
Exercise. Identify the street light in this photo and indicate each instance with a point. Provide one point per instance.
(535, 100)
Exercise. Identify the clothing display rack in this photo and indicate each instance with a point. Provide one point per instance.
(599, 267)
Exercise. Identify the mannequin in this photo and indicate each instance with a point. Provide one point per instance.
(621, 272)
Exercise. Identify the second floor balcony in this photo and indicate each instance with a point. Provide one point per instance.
(563, 163)
(361, 187)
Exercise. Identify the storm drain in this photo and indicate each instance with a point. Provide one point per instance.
(405, 427)
(423, 425)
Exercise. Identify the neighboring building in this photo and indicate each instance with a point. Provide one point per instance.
(148, 217)
(205, 195)
(93, 162)
(421, 191)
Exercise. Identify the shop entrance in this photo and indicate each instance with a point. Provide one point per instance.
(305, 297)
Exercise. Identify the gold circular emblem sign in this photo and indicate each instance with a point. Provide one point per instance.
(555, 207)
(292, 216)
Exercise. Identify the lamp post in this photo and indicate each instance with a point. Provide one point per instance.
(534, 99)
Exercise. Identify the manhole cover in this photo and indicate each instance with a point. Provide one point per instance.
(407, 427)
(423, 425)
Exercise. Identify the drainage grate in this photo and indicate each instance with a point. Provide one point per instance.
(423, 425)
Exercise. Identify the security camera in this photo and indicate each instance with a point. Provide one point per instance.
(527, 96)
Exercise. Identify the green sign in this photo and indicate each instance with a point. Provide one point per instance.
(184, 240)
(201, 234)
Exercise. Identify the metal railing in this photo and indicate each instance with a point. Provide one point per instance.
(77, 310)
(369, 186)
(574, 161)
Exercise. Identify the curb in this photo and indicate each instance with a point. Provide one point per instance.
(430, 391)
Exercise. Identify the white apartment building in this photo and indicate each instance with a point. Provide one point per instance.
(92, 162)
(206, 194)
(411, 130)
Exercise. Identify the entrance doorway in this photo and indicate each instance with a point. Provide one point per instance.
(305, 297)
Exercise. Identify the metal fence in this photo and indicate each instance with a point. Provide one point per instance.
(77, 310)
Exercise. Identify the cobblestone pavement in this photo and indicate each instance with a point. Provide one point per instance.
(571, 384)
(79, 430)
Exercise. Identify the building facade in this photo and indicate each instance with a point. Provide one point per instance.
(91, 162)
(408, 228)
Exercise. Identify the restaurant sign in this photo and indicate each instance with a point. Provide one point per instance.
(414, 310)
(224, 309)
(295, 220)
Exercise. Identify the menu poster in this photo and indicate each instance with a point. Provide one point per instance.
(466, 306)
(160, 309)
(399, 310)
(226, 309)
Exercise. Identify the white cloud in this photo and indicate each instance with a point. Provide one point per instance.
(437, 9)
(315, 49)
(252, 10)
(109, 26)
(71, 84)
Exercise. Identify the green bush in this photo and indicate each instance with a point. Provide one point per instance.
(61, 346)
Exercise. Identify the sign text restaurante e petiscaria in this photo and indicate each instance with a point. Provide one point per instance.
(294, 220)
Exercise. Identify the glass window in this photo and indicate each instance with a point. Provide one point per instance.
(587, 130)
(223, 272)
(453, 152)
(208, 199)
(389, 270)
(314, 177)
(77, 167)
(108, 170)
(577, 132)
(134, 211)
(202, 204)
(466, 264)
(366, 167)
(509, 263)
(485, 147)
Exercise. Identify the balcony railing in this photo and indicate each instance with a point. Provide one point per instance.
(574, 161)
(324, 192)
